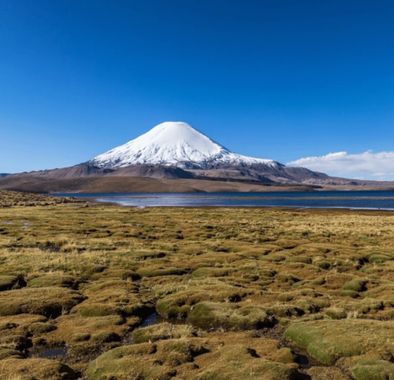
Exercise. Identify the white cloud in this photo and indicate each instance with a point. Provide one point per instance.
(367, 165)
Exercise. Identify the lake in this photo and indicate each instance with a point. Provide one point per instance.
(376, 200)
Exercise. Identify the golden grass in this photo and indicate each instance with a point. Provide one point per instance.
(239, 292)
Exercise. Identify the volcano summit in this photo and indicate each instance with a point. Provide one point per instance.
(173, 144)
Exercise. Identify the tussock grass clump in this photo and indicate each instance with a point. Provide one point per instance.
(90, 309)
(50, 301)
(162, 331)
(8, 282)
(35, 369)
(52, 279)
(160, 271)
(356, 285)
(212, 272)
(39, 328)
(177, 305)
(336, 313)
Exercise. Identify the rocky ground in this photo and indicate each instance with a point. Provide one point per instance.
(104, 292)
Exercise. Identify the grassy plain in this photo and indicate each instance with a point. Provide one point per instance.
(105, 292)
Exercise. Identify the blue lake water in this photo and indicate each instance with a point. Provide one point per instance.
(378, 200)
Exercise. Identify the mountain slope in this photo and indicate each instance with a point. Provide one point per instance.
(173, 143)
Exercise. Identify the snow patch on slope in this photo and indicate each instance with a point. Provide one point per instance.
(175, 144)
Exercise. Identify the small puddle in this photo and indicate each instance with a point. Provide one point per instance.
(54, 352)
(300, 357)
(150, 320)
(302, 360)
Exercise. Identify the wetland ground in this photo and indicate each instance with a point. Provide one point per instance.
(97, 291)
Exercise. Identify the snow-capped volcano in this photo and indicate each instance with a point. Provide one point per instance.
(173, 144)
(171, 157)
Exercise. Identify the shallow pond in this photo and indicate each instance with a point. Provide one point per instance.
(51, 352)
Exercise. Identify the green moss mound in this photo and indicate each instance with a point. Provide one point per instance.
(373, 370)
(209, 315)
(327, 341)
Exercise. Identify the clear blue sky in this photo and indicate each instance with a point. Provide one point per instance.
(279, 79)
